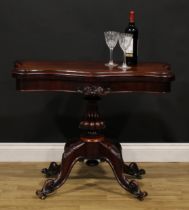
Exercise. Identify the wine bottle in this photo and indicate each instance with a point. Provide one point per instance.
(132, 51)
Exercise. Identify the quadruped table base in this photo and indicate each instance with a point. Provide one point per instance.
(91, 147)
(92, 80)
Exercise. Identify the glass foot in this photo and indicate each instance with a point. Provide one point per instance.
(124, 67)
(111, 64)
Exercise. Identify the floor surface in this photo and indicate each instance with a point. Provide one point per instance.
(94, 188)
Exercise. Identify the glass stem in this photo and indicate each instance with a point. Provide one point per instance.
(111, 56)
(124, 60)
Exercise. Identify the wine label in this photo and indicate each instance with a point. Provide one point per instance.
(129, 52)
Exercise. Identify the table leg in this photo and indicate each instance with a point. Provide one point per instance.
(71, 155)
(132, 169)
(114, 157)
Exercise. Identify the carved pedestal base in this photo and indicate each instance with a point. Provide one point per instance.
(92, 147)
(103, 150)
(131, 169)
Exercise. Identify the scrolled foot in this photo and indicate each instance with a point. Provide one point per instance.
(133, 170)
(53, 170)
(142, 196)
(41, 195)
(48, 188)
(135, 190)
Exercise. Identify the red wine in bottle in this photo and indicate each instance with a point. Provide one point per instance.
(132, 52)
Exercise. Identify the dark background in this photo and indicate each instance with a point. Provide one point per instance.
(73, 30)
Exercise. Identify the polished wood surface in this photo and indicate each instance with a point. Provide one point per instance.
(92, 80)
(94, 188)
(90, 69)
(72, 76)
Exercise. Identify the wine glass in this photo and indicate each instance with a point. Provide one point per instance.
(124, 42)
(111, 38)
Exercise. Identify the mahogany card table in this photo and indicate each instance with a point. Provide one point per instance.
(92, 80)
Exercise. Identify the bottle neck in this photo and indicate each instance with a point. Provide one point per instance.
(131, 23)
(132, 18)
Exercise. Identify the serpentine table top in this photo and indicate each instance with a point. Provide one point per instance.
(79, 76)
